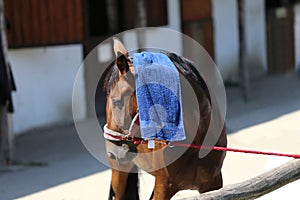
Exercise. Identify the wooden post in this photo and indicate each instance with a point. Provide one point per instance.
(256, 186)
(6, 134)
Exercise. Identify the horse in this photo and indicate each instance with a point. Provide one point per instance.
(125, 156)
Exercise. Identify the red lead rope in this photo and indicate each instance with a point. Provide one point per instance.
(137, 140)
(297, 156)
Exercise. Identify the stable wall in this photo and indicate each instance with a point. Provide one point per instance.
(227, 38)
(256, 37)
(44, 77)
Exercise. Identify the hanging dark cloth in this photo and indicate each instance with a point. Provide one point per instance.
(7, 83)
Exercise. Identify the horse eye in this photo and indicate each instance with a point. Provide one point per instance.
(117, 102)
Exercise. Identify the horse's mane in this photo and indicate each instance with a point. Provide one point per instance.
(188, 70)
(185, 66)
(110, 75)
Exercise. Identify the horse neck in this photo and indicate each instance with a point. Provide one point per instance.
(204, 106)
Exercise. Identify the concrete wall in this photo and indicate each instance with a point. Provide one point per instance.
(44, 78)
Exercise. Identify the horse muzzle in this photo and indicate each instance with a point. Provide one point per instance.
(120, 151)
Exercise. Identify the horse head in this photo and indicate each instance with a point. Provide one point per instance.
(121, 105)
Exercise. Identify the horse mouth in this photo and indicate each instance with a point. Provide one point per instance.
(121, 152)
(129, 157)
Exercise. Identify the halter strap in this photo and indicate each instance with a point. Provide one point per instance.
(117, 136)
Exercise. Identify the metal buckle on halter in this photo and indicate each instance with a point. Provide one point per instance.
(170, 144)
(130, 59)
(127, 138)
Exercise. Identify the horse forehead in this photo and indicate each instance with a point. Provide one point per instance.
(123, 85)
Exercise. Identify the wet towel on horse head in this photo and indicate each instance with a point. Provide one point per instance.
(158, 95)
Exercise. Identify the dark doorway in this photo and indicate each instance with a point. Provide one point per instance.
(280, 35)
(197, 22)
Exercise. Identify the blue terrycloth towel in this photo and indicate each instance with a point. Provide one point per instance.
(158, 95)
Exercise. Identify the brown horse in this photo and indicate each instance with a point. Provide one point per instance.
(174, 168)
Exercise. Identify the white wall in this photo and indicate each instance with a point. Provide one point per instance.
(226, 38)
(44, 77)
(256, 41)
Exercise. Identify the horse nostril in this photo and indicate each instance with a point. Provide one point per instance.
(112, 156)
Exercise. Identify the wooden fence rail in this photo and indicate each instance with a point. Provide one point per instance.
(257, 186)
